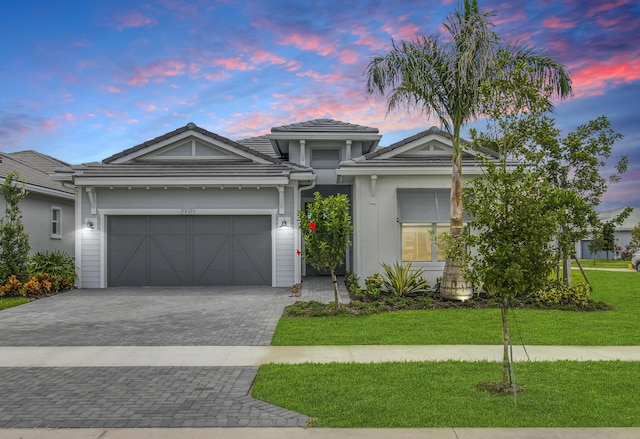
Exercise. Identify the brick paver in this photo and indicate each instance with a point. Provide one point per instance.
(98, 397)
(120, 397)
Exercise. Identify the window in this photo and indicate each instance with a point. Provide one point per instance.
(56, 222)
(418, 243)
(423, 214)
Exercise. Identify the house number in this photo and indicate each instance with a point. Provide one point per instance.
(189, 211)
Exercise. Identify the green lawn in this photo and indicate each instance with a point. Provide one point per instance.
(444, 394)
(9, 302)
(482, 326)
(602, 263)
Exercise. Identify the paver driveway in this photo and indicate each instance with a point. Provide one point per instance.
(141, 396)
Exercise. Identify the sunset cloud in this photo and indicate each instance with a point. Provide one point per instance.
(134, 20)
(158, 69)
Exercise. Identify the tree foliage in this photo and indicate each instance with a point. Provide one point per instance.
(635, 238)
(603, 237)
(326, 231)
(14, 241)
(444, 76)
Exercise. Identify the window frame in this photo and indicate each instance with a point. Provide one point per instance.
(55, 224)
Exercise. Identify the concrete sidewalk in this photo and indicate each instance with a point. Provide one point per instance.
(209, 356)
(323, 433)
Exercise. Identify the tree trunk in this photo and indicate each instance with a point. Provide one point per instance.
(453, 285)
(506, 363)
(335, 287)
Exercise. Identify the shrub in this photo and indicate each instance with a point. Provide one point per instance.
(401, 280)
(373, 284)
(352, 283)
(556, 294)
(57, 264)
(12, 288)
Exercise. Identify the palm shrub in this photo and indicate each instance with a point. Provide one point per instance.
(58, 265)
(401, 280)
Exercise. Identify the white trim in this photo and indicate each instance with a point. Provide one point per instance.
(47, 191)
(190, 133)
(109, 181)
(58, 222)
(78, 239)
(188, 211)
(403, 171)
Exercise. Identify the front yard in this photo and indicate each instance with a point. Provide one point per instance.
(444, 394)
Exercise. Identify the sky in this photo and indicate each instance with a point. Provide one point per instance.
(82, 80)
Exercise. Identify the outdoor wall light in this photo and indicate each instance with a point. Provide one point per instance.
(285, 223)
(90, 223)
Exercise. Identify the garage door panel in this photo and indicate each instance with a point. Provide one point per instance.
(189, 250)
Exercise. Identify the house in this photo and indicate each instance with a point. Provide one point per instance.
(622, 234)
(191, 207)
(48, 211)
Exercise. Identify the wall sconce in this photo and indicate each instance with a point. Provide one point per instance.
(90, 223)
(285, 222)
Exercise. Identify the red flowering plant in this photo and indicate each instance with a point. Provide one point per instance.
(326, 232)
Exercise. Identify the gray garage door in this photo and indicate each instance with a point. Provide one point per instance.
(188, 250)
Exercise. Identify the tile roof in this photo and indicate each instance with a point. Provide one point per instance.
(318, 125)
(261, 144)
(188, 127)
(33, 169)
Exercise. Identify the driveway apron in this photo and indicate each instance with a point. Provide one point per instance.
(102, 397)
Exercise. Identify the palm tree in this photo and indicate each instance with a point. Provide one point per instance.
(443, 77)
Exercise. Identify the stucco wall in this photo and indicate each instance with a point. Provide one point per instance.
(377, 232)
(36, 217)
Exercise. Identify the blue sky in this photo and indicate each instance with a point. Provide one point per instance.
(82, 80)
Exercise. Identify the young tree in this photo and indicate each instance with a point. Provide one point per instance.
(574, 164)
(443, 76)
(635, 238)
(603, 237)
(14, 241)
(326, 231)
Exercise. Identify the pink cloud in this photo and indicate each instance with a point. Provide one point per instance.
(233, 63)
(348, 56)
(405, 32)
(604, 6)
(592, 79)
(114, 89)
(261, 56)
(307, 42)
(330, 78)
(158, 70)
(557, 23)
(134, 20)
(49, 124)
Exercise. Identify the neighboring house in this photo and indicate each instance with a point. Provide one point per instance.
(622, 234)
(48, 212)
(193, 208)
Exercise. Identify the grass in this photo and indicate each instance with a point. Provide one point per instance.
(10, 302)
(444, 394)
(483, 326)
(602, 263)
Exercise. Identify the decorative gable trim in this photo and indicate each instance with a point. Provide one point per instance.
(153, 148)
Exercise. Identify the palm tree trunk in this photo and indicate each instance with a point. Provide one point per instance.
(453, 285)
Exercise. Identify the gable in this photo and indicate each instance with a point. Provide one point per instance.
(432, 145)
(189, 143)
(192, 148)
